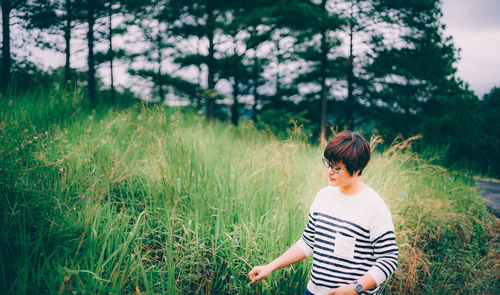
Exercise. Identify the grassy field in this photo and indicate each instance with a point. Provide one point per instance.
(149, 200)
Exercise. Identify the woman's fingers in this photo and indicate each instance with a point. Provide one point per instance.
(253, 275)
(258, 273)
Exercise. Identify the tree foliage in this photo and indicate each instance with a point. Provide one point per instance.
(385, 66)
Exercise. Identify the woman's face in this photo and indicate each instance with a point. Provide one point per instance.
(338, 174)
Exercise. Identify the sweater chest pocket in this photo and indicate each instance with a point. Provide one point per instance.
(344, 246)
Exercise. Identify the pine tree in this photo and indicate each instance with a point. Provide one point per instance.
(110, 29)
(417, 71)
(317, 45)
(156, 21)
(55, 18)
(8, 8)
(203, 20)
(256, 20)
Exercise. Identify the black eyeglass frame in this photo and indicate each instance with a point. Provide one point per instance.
(335, 168)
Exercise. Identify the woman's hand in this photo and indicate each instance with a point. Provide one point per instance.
(344, 290)
(292, 255)
(259, 272)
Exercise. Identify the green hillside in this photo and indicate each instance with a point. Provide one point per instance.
(155, 200)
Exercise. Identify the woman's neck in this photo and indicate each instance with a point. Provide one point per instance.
(353, 187)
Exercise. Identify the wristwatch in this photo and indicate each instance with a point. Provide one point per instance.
(358, 287)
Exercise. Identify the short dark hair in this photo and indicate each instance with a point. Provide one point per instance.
(350, 149)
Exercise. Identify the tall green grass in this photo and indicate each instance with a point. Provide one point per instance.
(158, 201)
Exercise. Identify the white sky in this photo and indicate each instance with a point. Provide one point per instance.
(474, 26)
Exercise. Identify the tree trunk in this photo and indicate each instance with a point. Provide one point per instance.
(278, 62)
(255, 86)
(161, 91)
(91, 62)
(324, 60)
(211, 59)
(67, 39)
(6, 62)
(322, 135)
(198, 98)
(350, 83)
(111, 52)
(235, 116)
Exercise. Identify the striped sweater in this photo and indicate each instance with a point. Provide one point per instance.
(348, 237)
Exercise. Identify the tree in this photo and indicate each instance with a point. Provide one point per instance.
(8, 8)
(179, 85)
(157, 24)
(67, 39)
(416, 72)
(72, 13)
(490, 108)
(318, 40)
(234, 70)
(361, 23)
(236, 66)
(203, 20)
(91, 80)
(255, 19)
(284, 17)
(112, 8)
(55, 18)
(111, 53)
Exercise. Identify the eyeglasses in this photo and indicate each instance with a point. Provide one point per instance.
(336, 168)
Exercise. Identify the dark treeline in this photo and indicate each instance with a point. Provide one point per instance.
(381, 66)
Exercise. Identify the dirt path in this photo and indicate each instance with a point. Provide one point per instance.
(490, 191)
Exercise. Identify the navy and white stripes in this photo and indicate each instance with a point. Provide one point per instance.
(348, 239)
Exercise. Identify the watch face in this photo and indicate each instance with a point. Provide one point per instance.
(359, 288)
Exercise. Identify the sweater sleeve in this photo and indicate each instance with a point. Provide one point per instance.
(306, 242)
(383, 241)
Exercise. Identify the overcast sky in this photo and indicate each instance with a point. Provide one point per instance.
(475, 28)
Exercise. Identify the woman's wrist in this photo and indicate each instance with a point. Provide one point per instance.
(272, 266)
